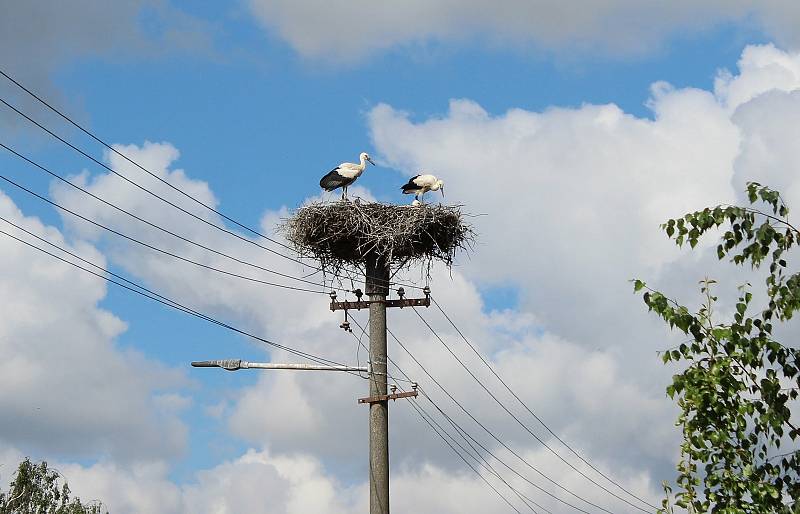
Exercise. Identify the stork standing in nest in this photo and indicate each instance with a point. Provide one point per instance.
(421, 184)
(345, 174)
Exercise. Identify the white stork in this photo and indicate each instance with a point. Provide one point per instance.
(421, 184)
(344, 174)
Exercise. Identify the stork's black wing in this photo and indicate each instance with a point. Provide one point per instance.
(411, 186)
(333, 180)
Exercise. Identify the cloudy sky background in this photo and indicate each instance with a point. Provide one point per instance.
(573, 130)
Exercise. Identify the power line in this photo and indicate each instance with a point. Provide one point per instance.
(464, 451)
(472, 440)
(416, 408)
(477, 457)
(469, 440)
(514, 416)
(153, 225)
(364, 346)
(497, 439)
(139, 186)
(500, 441)
(525, 406)
(170, 254)
(459, 429)
(151, 247)
(147, 293)
(154, 175)
(86, 261)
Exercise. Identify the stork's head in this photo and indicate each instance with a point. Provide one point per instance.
(366, 158)
(439, 186)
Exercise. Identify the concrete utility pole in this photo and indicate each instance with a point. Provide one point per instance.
(377, 288)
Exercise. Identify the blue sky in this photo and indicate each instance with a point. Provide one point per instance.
(260, 106)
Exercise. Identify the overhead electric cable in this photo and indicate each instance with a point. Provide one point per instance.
(530, 411)
(463, 433)
(529, 503)
(154, 248)
(495, 437)
(514, 416)
(471, 442)
(147, 293)
(479, 459)
(199, 264)
(90, 263)
(485, 480)
(500, 441)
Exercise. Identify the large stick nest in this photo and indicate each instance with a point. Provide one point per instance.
(344, 233)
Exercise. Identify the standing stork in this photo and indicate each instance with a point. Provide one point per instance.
(421, 184)
(345, 174)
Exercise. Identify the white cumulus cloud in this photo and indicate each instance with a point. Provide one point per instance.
(65, 388)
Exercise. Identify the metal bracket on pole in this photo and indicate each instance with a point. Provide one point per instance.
(364, 304)
(384, 397)
(394, 396)
(237, 364)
